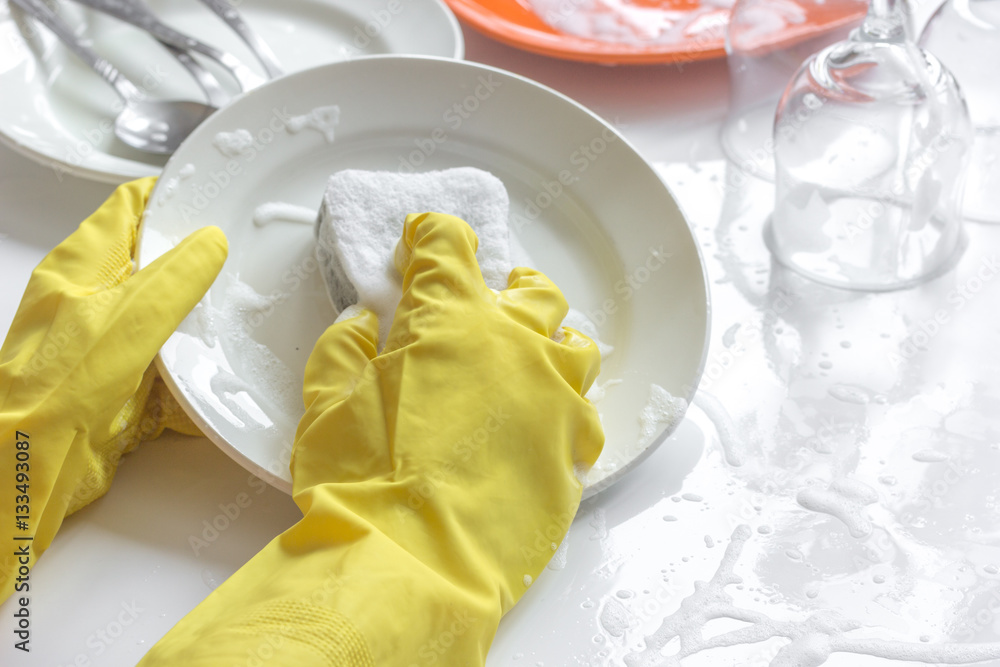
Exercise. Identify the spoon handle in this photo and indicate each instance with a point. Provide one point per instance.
(138, 14)
(41, 12)
(265, 55)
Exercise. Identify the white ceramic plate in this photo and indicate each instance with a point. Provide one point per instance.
(56, 111)
(596, 238)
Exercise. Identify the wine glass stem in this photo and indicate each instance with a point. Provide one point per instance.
(885, 22)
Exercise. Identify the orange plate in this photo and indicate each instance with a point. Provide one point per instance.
(513, 23)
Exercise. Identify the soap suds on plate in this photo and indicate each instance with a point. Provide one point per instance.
(244, 309)
(273, 211)
(640, 25)
(322, 119)
(575, 319)
(662, 410)
(233, 144)
(169, 188)
(598, 390)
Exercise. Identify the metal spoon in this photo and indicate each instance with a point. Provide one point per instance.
(265, 55)
(138, 14)
(155, 126)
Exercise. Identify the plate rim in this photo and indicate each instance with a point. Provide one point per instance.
(580, 49)
(140, 169)
(588, 491)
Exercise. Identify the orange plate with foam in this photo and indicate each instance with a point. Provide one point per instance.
(514, 23)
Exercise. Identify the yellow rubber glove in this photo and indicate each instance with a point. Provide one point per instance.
(435, 479)
(77, 388)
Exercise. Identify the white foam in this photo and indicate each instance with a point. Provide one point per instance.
(614, 618)
(732, 445)
(275, 211)
(233, 144)
(575, 319)
(322, 119)
(634, 24)
(559, 558)
(930, 456)
(662, 411)
(243, 311)
(850, 394)
(811, 640)
(600, 525)
(598, 391)
(169, 188)
(844, 499)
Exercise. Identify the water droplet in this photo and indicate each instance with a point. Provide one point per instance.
(764, 530)
(930, 456)
(209, 579)
(669, 517)
(849, 394)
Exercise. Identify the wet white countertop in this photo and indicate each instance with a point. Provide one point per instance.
(867, 425)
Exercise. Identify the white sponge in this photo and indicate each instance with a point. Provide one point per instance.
(361, 220)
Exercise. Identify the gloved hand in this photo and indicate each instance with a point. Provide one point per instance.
(435, 479)
(77, 388)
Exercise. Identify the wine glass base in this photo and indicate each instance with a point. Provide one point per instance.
(885, 284)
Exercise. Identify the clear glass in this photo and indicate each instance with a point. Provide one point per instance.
(965, 35)
(871, 141)
(766, 42)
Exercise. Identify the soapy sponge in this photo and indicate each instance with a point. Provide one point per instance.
(361, 220)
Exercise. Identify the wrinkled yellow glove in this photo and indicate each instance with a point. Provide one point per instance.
(435, 479)
(77, 388)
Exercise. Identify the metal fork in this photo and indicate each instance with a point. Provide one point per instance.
(264, 54)
(215, 94)
(138, 14)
